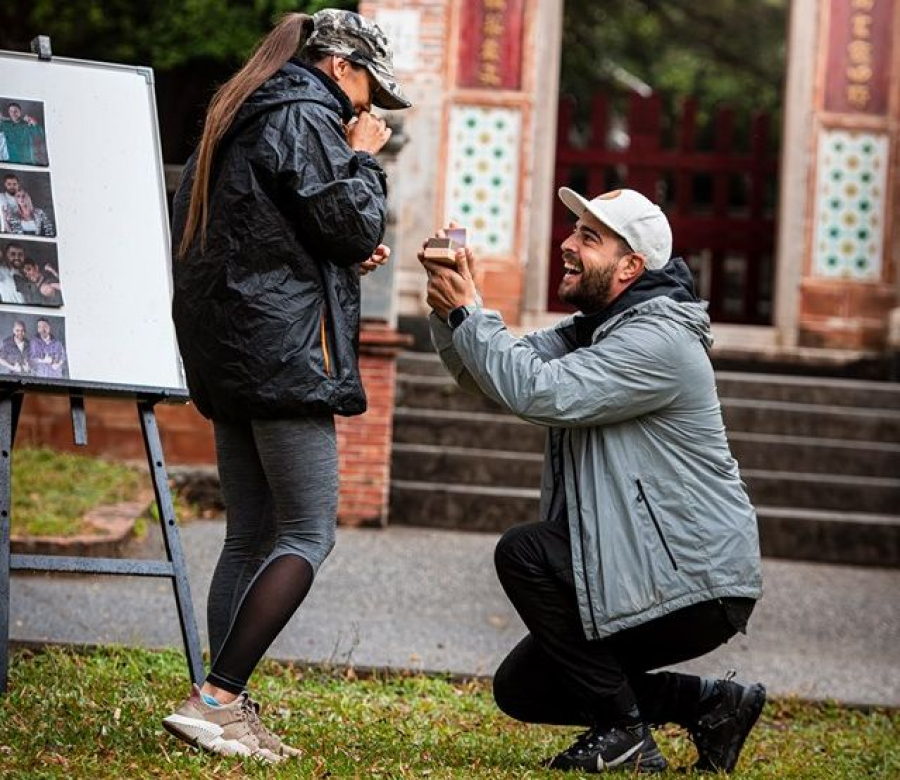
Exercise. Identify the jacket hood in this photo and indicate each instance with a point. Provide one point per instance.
(673, 283)
(674, 280)
(296, 81)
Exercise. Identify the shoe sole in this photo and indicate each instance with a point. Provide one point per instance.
(208, 736)
(750, 708)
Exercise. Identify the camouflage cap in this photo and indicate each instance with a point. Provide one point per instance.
(363, 42)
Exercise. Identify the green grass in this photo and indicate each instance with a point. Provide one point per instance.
(97, 715)
(52, 490)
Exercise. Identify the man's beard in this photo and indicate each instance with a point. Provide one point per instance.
(593, 291)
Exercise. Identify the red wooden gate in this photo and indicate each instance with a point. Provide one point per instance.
(720, 201)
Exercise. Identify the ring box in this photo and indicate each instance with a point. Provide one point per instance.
(442, 250)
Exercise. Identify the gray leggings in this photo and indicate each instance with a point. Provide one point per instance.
(280, 483)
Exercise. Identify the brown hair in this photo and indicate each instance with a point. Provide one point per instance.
(285, 40)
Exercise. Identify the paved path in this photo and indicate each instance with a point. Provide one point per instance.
(426, 599)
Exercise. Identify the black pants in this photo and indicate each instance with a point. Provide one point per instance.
(555, 675)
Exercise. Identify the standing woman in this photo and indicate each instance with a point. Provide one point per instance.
(280, 210)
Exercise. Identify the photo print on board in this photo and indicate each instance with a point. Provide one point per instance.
(22, 137)
(33, 345)
(26, 203)
(29, 273)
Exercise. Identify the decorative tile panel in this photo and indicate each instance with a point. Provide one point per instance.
(483, 175)
(850, 196)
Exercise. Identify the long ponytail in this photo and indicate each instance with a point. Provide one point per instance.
(285, 40)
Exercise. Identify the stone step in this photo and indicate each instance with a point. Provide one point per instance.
(830, 422)
(466, 466)
(492, 429)
(440, 392)
(441, 465)
(773, 452)
(809, 390)
(740, 414)
(421, 364)
(466, 429)
(820, 455)
(826, 492)
(812, 455)
(856, 538)
(823, 391)
(460, 507)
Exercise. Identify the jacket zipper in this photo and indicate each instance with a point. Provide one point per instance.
(643, 497)
(559, 466)
(567, 436)
(324, 338)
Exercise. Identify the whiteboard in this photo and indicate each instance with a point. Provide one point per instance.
(103, 169)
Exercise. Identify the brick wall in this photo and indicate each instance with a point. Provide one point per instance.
(364, 447)
(114, 429)
(364, 441)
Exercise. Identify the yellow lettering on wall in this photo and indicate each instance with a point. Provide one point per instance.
(859, 73)
(490, 50)
(488, 74)
(858, 95)
(860, 52)
(862, 25)
(493, 25)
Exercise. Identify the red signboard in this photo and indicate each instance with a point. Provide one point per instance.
(490, 51)
(859, 56)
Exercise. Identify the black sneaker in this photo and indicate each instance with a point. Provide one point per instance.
(613, 748)
(719, 734)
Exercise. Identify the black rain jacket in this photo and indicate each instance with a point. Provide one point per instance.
(267, 312)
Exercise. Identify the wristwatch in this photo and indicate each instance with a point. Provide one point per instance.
(456, 316)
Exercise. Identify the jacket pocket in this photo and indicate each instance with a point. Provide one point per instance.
(642, 498)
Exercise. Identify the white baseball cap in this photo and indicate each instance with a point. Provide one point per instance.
(632, 216)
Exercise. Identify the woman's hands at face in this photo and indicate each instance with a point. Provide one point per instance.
(368, 133)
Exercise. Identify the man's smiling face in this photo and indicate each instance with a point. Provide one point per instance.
(590, 257)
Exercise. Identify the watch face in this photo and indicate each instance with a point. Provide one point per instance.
(457, 316)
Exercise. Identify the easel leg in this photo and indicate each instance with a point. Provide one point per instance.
(172, 540)
(9, 417)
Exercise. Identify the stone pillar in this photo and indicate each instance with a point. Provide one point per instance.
(486, 129)
(481, 149)
(849, 276)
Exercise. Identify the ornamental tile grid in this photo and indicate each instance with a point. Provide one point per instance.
(850, 204)
(483, 175)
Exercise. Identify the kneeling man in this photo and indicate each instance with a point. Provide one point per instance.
(647, 552)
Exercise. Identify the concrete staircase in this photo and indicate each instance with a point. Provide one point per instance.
(821, 459)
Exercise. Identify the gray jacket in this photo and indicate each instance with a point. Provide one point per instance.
(658, 515)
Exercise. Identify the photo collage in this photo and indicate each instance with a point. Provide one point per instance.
(31, 343)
